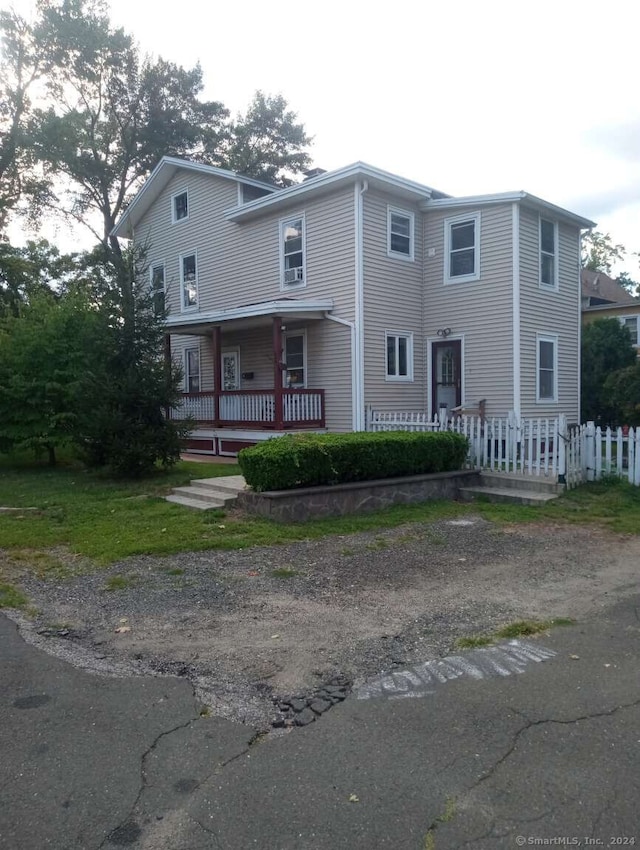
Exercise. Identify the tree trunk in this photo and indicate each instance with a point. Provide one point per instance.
(52, 454)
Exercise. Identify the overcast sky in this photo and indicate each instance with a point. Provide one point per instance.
(467, 97)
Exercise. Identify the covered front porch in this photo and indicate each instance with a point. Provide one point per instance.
(270, 341)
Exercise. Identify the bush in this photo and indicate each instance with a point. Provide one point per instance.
(305, 460)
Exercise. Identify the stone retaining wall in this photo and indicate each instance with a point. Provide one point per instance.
(341, 499)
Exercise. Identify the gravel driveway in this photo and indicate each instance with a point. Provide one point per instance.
(254, 627)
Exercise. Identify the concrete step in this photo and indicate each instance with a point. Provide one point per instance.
(198, 504)
(206, 494)
(230, 483)
(507, 494)
(514, 481)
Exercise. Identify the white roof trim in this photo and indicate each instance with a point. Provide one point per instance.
(349, 172)
(176, 163)
(507, 198)
(267, 308)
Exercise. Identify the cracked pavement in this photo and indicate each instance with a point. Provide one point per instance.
(95, 762)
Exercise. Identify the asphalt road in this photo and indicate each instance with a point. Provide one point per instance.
(546, 757)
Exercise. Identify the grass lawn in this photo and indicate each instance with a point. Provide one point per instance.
(105, 521)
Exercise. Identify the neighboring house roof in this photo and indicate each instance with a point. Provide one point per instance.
(525, 198)
(601, 292)
(160, 177)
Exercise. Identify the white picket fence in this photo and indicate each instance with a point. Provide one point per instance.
(593, 452)
(531, 446)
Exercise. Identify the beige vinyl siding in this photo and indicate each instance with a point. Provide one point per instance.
(393, 301)
(329, 368)
(239, 264)
(478, 312)
(547, 312)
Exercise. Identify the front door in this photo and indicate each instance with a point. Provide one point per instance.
(231, 370)
(446, 375)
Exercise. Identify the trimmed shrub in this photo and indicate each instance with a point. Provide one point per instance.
(306, 460)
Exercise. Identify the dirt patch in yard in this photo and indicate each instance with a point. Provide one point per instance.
(258, 625)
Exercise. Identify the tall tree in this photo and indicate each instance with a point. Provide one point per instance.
(606, 348)
(600, 252)
(267, 142)
(24, 60)
(113, 114)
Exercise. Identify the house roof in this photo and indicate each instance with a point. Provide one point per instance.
(520, 196)
(251, 314)
(329, 181)
(604, 293)
(160, 177)
(427, 197)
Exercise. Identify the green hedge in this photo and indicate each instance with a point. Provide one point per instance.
(305, 460)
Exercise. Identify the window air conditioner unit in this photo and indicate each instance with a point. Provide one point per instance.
(293, 275)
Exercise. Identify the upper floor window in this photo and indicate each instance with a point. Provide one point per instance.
(631, 322)
(292, 252)
(180, 206)
(399, 356)
(547, 357)
(462, 248)
(400, 233)
(192, 370)
(548, 254)
(157, 288)
(188, 281)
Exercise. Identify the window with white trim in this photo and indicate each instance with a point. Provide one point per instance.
(399, 355)
(192, 370)
(295, 360)
(180, 206)
(462, 248)
(158, 288)
(400, 233)
(548, 254)
(547, 368)
(189, 281)
(631, 322)
(292, 252)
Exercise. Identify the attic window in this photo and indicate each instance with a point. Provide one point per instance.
(180, 206)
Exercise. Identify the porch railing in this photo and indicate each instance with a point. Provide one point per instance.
(255, 408)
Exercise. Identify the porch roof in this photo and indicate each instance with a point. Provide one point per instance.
(250, 315)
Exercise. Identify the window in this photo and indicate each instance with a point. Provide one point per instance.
(252, 193)
(631, 322)
(179, 207)
(294, 358)
(192, 370)
(462, 249)
(292, 242)
(399, 234)
(157, 288)
(547, 389)
(548, 254)
(399, 356)
(189, 281)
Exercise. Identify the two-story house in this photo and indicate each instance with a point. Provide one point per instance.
(297, 308)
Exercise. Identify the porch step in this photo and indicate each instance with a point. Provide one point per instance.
(516, 481)
(507, 494)
(208, 493)
(227, 483)
(198, 504)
